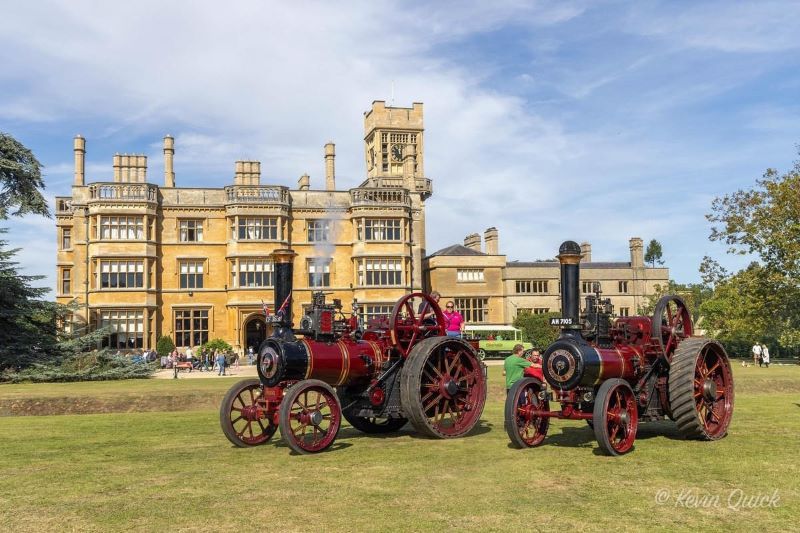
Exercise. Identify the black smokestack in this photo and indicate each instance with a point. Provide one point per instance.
(284, 260)
(569, 255)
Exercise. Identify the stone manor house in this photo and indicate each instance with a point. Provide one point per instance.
(150, 259)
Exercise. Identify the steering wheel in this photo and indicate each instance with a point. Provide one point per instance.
(408, 326)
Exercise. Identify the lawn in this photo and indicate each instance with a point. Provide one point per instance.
(162, 463)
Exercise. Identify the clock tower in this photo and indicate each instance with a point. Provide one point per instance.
(395, 155)
(391, 135)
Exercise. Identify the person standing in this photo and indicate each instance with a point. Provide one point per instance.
(765, 355)
(453, 321)
(221, 363)
(514, 366)
(756, 354)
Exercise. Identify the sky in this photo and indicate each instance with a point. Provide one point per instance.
(592, 121)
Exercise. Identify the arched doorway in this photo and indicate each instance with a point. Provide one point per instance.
(255, 331)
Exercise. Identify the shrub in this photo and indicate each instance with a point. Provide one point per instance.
(216, 344)
(94, 366)
(164, 346)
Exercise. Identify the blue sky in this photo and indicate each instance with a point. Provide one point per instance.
(591, 121)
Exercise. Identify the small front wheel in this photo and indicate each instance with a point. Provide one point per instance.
(524, 428)
(481, 354)
(615, 417)
(242, 415)
(310, 416)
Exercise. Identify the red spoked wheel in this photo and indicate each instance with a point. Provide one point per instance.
(615, 417)
(701, 389)
(414, 317)
(525, 429)
(310, 416)
(244, 417)
(443, 387)
(672, 323)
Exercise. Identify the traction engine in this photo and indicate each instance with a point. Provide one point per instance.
(401, 368)
(614, 374)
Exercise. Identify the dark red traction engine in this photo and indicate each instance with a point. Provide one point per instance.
(402, 368)
(615, 374)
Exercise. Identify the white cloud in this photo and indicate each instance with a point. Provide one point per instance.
(274, 82)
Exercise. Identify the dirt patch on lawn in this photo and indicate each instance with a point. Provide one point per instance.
(116, 404)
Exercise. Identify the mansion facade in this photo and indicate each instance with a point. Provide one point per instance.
(194, 263)
(488, 289)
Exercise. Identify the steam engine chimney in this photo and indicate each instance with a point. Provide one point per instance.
(330, 169)
(169, 170)
(283, 259)
(79, 147)
(569, 255)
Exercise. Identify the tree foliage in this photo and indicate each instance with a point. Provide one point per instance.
(21, 180)
(762, 301)
(28, 331)
(654, 253)
(537, 329)
(216, 344)
(164, 346)
(693, 294)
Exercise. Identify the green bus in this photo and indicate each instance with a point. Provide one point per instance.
(495, 341)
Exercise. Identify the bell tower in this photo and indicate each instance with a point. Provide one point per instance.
(390, 134)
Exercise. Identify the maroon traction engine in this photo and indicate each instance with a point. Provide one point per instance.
(615, 374)
(402, 368)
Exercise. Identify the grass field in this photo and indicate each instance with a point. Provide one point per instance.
(169, 468)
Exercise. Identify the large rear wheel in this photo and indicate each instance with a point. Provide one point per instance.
(701, 389)
(443, 387)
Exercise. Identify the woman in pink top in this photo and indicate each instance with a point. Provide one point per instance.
(454, 322)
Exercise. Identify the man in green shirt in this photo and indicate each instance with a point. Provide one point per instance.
(514, 366)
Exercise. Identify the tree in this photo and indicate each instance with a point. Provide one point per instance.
(21, 180)
(537, 328)
(653, 253)
(693, 294)
(164, 345)
(27, 324)
(762, 301)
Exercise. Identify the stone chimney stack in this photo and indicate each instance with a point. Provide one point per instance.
(130, 168)
(79, 147)
(586, 252)
(409, 162)
(169, 169)
(330, 168)
(473, 242)
(637, 252)
(247, 173)
(492, 239)
(304, 183)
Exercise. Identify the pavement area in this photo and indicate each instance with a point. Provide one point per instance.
(244, 371)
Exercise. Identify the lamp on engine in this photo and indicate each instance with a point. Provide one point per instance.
(404, 369)
(616, 372)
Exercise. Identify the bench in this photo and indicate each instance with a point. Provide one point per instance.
(185, 365)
